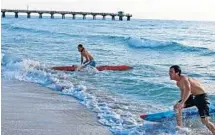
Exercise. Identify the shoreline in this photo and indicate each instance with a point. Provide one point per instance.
(36, 109)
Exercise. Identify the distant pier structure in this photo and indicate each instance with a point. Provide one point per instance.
(120, 14)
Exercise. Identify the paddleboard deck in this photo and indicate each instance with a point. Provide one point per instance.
(99, 68)
(167, 115)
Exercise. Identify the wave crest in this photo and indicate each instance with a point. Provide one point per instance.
(143, 43)
(147, 43)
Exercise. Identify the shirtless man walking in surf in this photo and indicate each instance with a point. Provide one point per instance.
(88, 58)
(192, 94)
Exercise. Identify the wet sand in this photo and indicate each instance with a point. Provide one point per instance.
(30, 109)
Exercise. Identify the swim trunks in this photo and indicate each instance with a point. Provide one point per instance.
(90, 63)
(201, 101)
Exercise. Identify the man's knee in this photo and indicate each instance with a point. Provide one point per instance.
(205, 120)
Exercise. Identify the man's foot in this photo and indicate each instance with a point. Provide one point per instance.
(182, 130)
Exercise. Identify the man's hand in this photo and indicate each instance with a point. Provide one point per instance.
(178, 106)
(79, 68)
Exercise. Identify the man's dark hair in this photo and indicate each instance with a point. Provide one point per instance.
(177, 69)
(80, 45)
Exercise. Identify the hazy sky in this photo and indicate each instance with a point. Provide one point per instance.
(149, 9)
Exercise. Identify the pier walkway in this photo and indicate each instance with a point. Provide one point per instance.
(120, 14)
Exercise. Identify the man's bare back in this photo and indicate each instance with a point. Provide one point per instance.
(86, 55)
(195, 86)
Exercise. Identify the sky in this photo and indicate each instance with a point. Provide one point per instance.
(201, 10)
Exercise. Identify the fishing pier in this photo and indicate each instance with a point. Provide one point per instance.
(120, 14)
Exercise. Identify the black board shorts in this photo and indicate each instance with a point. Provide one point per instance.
(201, 101)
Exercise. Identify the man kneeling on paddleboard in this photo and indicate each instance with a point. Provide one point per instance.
(88, 58)
(192, 94)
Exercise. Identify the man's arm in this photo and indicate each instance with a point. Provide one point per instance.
(87, 59)
(181, 92)
(81, 59)
(86, 55)
(186, 90)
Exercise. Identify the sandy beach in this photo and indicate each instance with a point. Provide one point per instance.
(38, 110)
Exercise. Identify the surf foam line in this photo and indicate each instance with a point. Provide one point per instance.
(32, 71)
(122, 123)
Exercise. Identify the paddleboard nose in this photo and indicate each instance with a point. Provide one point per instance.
(143, 116)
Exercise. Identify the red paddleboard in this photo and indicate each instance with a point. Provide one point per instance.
(100, 68)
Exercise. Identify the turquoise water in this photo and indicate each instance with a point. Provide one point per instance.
(31, 46)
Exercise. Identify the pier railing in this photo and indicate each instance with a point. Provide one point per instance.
(120, 14)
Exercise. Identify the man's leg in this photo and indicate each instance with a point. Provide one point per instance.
(179, 117)
(188, 103)
(93, 63)
(202, 103)
(208, 124)
(86, 64)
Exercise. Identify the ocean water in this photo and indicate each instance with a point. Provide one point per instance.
(30, 47)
